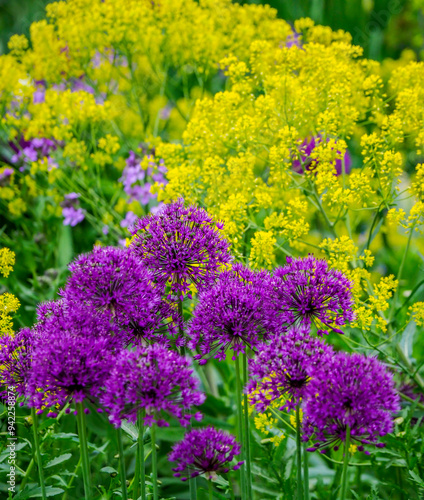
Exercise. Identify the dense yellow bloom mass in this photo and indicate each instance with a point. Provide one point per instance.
(9, 304)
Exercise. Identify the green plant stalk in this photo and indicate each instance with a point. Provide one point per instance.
(154, 463)
(82, 435)
(38, 452)
(210, 489)
(306, 471)
(122, 464)
(299, 454)
(247, 433)
(345, 464)
(140, 467)
(240, 427)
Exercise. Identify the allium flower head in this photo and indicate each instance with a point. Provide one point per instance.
(204, 451)
(350, 390)
(283, 368)
(307, 162)
(181, 245)
(15, 360)
(234, 313)
(154, 379)
(68, 367)
(112, 282)
(306, 291)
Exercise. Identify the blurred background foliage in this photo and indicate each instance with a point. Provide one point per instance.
(384, 28)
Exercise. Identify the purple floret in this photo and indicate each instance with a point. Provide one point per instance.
(350, 390)
(307, 292)
(153, 379)
(284, 367)
(234, 313)
(204, 451)
(111, 282)
(181, 245)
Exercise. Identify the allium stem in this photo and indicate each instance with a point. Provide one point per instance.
(122, 464)
(306, 471)
(140, 466)
(246, 432)
(154, 462)
(38, 452)
(345, 464)
(299, 454)
(210, 489)
(82, 435)
(240, 426)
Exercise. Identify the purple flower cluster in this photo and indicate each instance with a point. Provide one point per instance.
(15, 360)
(27, 152)
(284, 367)
(206, 451)
(306, 292)
(349, 390)
(138, 181)
(181, 245)
(112, 282)
(153, 379)
(234, 313)
(73, 214)
(306, 162)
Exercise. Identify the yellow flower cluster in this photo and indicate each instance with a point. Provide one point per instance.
(9, 304)
(417, 313)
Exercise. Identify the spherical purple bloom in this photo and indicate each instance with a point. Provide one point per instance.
(180, 245)
(306, 291)
(154, 379)
(206, 451)
(284, 367)
(350, 390)
(112, 282)
(15, 360)
(234, 313)
(68, 366)
(306, 162)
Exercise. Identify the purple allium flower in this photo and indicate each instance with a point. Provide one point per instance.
(154, 379)
(206, 451)
(180, 245)
(15, 360)
(309, 163)
(350, 390)
(306, 291)
(284, 367)
(68, 365)
(232, 313)
(112, 282)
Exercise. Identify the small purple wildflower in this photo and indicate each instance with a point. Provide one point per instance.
(5, 176)
(15, 360)
(129, 220)
(306, 291)
(154, 379)
(72, 216)
(180, 245)
(284, 367)
(30, 151)
(206, 451)
(350, 390)
(234, 313)
(307, 162)
(112, 282)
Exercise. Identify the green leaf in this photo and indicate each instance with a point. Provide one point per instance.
(58, 460)
(109, 470)
(130, 429)
(416, 478)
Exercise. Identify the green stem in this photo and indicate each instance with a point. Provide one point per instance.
(38, 453)
(306, 471)
(82, 435)
(345, 464)
(154, 462)
(140, 468)
(299, 454)
(122, 464)
(210, 489)
(240, 426)
(247, 433)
